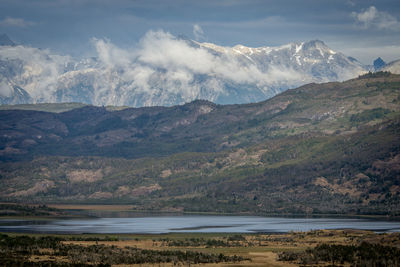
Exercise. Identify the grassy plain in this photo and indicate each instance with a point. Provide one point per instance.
(249, 249)
(91, 207)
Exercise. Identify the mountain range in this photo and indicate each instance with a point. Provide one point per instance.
(320, 148)
(164, 70)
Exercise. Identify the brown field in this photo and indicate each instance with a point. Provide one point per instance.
(261, 249)
(92, 207)
(257, 249)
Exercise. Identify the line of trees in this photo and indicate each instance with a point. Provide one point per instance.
(364, 254)
(18, 250)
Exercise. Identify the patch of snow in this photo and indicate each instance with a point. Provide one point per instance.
(311, 60)
(299, 47)
(243, 54)
(282, 47)
(320, 51)
(298, 60)
(265, 49)
(215, 47)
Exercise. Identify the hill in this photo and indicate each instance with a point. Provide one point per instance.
(320, 148)
(48, 107)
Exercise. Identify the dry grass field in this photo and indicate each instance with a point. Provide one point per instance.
(257, 249)
(91, 207)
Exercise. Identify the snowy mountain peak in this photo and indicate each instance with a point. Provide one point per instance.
(217, 48)
(303, 47)
(317, 45)
(168, 70)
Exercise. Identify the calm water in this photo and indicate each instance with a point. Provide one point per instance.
(186, 223)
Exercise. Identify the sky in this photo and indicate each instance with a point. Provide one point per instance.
(362, 29)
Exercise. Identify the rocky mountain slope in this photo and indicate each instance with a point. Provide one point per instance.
(164, 70)
(320, 148)
(6, 41)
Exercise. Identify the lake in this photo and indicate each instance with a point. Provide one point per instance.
(193, 223)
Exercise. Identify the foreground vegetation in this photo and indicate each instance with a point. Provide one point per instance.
(315, 248)
(51, 251)
(364, 254)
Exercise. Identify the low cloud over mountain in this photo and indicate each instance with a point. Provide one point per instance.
(167, 70)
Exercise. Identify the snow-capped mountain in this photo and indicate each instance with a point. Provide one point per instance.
(393, 67)
(167, 70)
(313, 60)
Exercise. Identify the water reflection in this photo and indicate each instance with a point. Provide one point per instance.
(186, 223)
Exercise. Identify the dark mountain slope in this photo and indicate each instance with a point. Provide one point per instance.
(200, 125)
(327, 148)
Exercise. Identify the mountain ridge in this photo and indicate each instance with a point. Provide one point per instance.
(6, 41)
(155, 73)
(320, 148)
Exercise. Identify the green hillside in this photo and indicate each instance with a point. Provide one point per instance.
(320, 148)
(48, 107)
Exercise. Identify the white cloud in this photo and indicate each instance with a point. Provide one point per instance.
(38, 69)
(164, 68)
(162, 50)
(5, 89)
(16, 22)
(373, 18)
(161, 70)
(198, 32)
(110, 55)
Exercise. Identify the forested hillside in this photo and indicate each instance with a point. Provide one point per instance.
(320, 148)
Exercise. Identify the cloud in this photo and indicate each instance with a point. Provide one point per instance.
(365, 53)
(110, 55)
(198, 32)
(160, 49)
(152, 73)
(5, 89)
(16, 22)
(373, 18)
(160, 70)
(37, 70)
(156, 73)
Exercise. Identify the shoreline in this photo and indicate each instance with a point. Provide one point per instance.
(128, 208)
